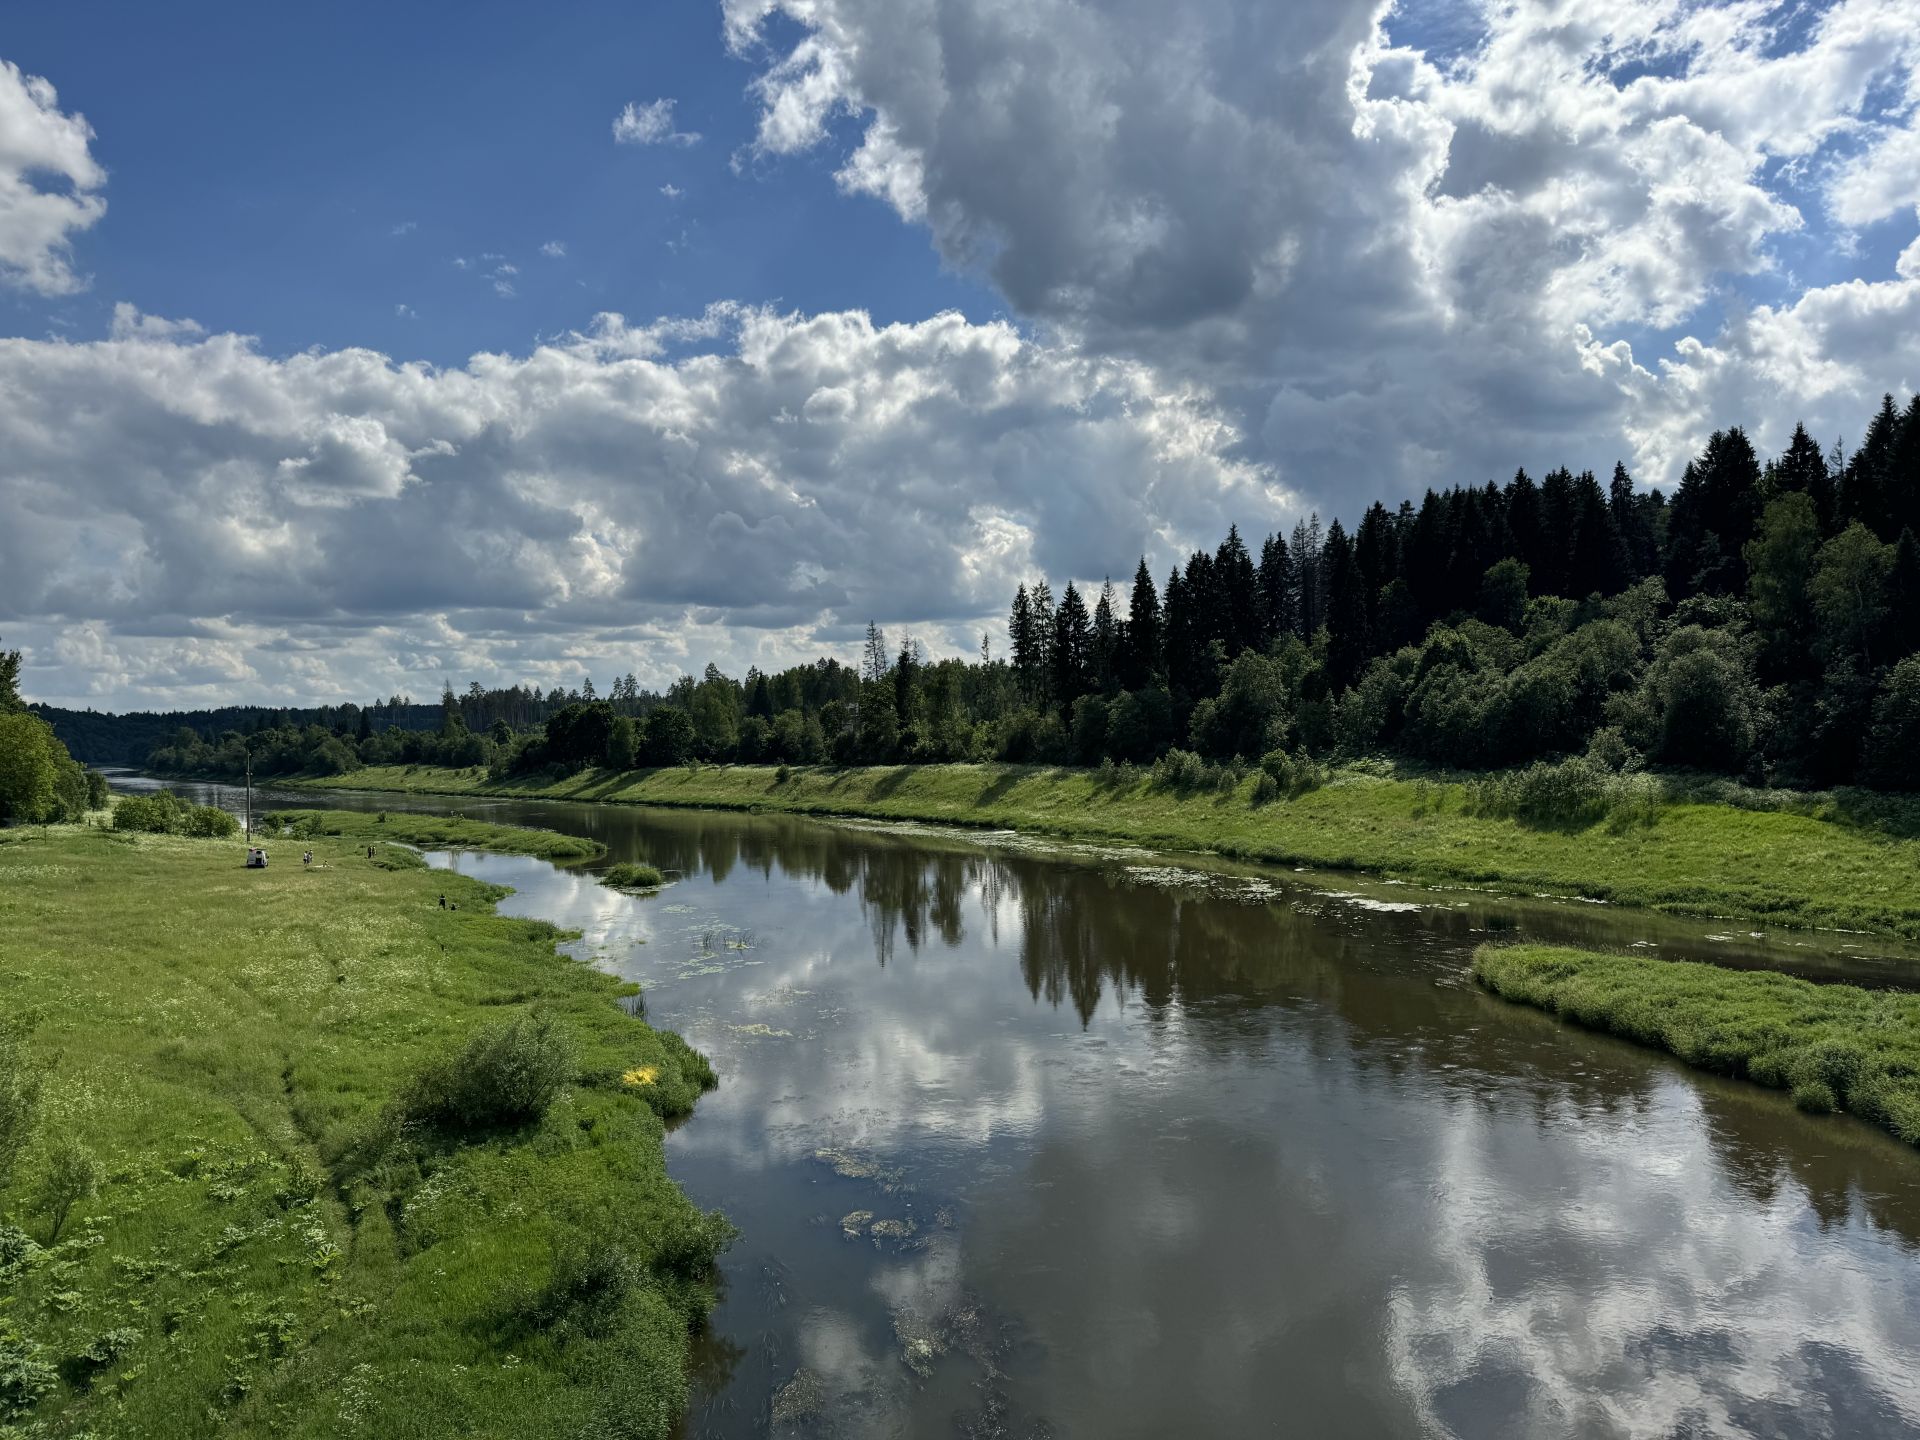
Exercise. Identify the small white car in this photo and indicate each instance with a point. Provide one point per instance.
(256, 858)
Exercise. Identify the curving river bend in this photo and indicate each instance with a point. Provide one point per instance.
(1030, 1141)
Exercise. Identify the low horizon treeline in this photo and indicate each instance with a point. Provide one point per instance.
(1762, 623)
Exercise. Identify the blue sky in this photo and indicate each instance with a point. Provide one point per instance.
(346, 352)
(298, 174)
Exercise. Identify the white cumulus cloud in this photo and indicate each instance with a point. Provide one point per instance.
(49, 185)
(1394, 264)
(744, 485)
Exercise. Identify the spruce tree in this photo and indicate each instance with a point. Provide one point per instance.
(1276, 591)
(1144, 632)
(1072, 645)
(1104, 653)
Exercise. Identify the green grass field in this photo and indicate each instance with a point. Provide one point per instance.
(1820, 861)
(1834, 1047)
(276, 1243)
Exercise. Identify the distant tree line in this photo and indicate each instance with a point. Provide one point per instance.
(1764, 622)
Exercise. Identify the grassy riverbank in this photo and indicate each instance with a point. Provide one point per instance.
(1813, 862)
(321, 1181)
(1834, 1047)
(429, 832)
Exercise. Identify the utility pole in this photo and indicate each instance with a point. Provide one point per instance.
(248, 748)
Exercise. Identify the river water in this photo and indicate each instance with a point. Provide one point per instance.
(1029, 1140)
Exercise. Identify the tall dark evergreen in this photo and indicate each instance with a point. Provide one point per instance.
(1103, 657)
(1524, 529)
(1595, 562)
(1024, 641)
(1276, 590)
(1144, 632)
(1347, 637)
(1376, 558)
(1180, 642)
(1714, 514)
(1072, 649)
(1903, 599)
(1870, 488)
(1303, 556)
(1803, 470)
(1237, 587)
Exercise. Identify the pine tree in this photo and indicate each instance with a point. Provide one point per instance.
(1376, 557)
(1276, 591)
(1803, 470)
(1524, 529)
(1868, 487)
(873, 655)
(1903, 599)
(1178, 639)
(1594, 567)
(1347, 639)
(1042, 597)
(1303, 557)
(1143, 632)
(1022, 642)
(1072, 646)
(906, 685)
(1237, 593)
(1104, 655)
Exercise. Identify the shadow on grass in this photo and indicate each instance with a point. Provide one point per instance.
(996, 789)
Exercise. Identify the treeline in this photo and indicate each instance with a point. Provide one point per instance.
(1763, 622)
(40, 783)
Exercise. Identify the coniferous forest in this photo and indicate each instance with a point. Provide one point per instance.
(1763, 622)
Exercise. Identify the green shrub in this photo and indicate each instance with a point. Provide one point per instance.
(590, 1284)
(1266, 789)
(20, 1081)
(1294, 774)
(631, 875)
(209, 822)
(72, 1175)
(99, 795)
(154, 814)
(506, 1075)
(25, 1378)
(1179, 770)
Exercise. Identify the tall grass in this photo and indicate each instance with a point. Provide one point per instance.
(258, 1252)
(1833, 1047)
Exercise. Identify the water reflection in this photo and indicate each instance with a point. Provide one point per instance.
(1021, 1145)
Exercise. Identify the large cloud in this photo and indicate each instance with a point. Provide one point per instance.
(1397, 264)
(49, 184)
(748, 485)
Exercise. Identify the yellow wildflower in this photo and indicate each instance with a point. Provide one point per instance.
(642, 1075)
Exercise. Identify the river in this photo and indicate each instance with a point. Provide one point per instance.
(1034, 1140)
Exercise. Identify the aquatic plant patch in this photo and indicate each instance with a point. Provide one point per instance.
(1833, 1047)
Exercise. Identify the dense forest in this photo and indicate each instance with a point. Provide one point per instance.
(1763, 623)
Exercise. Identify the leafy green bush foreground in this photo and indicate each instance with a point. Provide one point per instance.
(300, 1153)
(1834, 1047)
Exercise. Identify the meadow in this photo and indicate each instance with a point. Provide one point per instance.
(1832, 1047)
(312, 1155)
(1845, 860)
